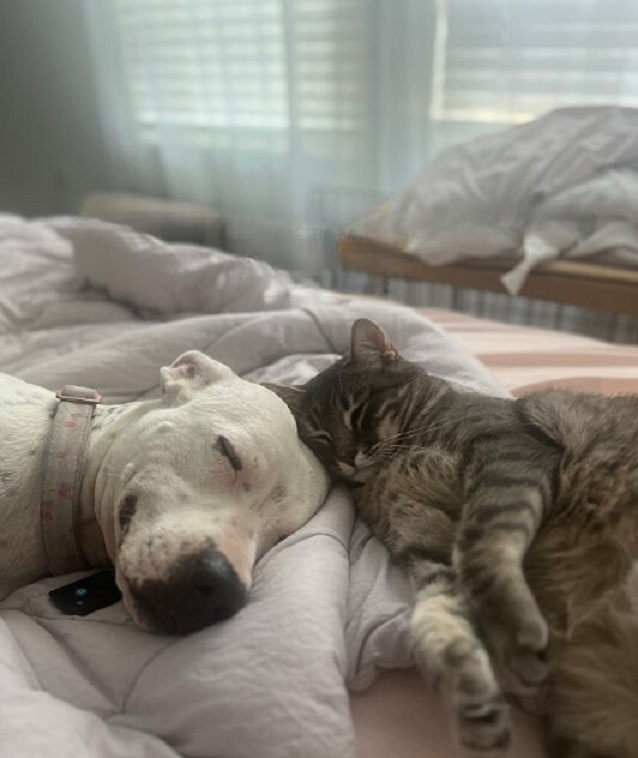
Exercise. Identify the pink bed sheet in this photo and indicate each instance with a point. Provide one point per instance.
(398, 717)
(525, 358)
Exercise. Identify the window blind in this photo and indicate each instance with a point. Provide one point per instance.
(508, 61)
(253, 67)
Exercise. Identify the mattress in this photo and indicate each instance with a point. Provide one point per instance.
(319, 663)
(96, 304)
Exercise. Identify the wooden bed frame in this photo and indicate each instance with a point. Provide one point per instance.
(588, 285)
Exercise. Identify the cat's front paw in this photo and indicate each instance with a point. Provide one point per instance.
(517, 642)
(483, 725)
(484, 729)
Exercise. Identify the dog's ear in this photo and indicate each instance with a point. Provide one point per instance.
(191, 372)
(292, 396)
(369, 344)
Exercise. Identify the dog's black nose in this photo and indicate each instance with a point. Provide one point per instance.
(201, 590)
(214, 580)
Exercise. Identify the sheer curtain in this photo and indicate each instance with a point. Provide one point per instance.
(292, 117)
(503, 62)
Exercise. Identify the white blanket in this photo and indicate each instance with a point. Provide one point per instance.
(562, 185)
(89, 303)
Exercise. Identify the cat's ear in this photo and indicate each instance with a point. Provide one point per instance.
(370, 344)
(292, 396)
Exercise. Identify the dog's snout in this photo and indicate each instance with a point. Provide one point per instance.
(203, 590)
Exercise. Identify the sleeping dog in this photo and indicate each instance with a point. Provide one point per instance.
(181, 495)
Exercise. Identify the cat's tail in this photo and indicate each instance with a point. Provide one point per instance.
(456, 662)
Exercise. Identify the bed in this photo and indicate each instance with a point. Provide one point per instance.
(591, 285)
(545, 209)
(318, 663)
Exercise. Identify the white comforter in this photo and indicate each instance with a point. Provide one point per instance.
(89, 303)
(563, 185)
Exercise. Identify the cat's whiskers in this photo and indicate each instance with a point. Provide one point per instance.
(406, 436)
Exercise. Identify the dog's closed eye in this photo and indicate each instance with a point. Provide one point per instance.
(127, 511)
(226, 448)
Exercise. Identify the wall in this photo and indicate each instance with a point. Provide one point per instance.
(51, 150)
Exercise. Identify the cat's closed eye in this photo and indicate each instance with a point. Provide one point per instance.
(352, 417)
(320, 435)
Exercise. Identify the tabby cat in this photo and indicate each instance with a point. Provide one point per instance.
(518, 521)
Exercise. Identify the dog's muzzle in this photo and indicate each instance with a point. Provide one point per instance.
(201, 590)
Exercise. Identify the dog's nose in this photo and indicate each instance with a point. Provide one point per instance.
(214, 580)
(204, 589)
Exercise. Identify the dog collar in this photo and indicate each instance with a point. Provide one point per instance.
(60, 504)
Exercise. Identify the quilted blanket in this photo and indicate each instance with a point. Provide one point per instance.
(89, 303)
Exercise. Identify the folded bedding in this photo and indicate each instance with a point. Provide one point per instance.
(95, 304)
(563, 185)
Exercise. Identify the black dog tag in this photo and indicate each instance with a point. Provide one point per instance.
(87, 595)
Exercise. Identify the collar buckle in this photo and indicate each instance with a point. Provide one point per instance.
(71, 393)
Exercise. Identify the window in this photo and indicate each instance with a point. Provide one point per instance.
(508, 61)
(246, 69)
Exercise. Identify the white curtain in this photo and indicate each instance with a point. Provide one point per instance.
(503, 62)
(293, 117)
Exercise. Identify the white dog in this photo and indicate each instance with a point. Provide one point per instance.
(182, 494)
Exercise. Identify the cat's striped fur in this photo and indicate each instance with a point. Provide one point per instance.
(493, 505)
